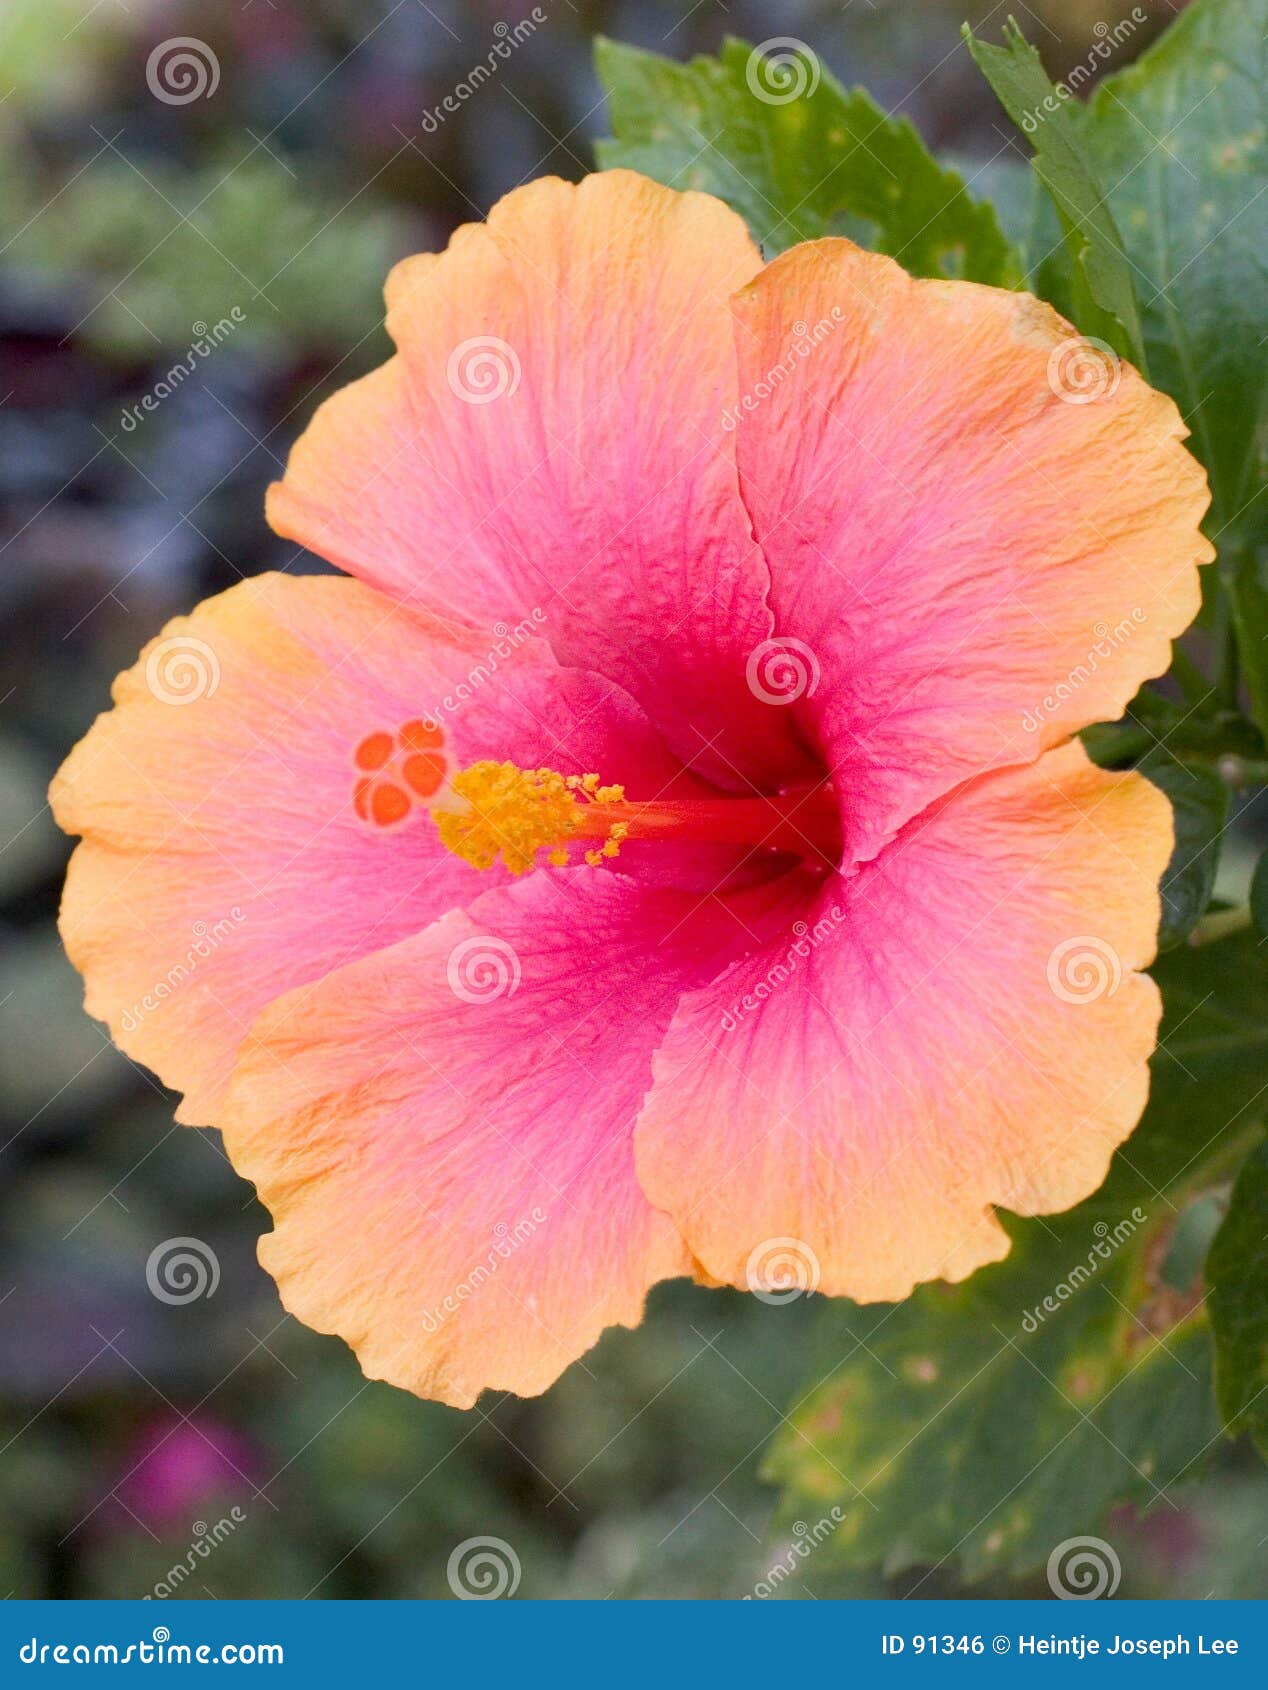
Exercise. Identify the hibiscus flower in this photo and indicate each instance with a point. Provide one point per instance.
(668, 853)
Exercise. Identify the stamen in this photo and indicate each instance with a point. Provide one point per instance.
(498, 811)
(515, 813)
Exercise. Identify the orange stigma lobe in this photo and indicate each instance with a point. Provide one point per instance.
(398, 773)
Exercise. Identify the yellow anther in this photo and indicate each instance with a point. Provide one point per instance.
(514, 813)
(612, 845)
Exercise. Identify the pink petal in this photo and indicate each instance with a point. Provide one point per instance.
(223, 859)
(973, 563)
(442, 1131)
(958, 1025)
(550, 435)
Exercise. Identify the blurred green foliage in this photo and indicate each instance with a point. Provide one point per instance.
(191, 246)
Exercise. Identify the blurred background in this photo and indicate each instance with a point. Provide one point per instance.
(213, 1447)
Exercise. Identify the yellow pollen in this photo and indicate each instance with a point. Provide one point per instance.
(514, 813)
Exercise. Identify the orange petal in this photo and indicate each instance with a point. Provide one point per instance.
(226, 856)
(442, 1133)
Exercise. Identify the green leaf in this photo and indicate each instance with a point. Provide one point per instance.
(1063, 165)
(796, 165)
(1245, 576)
(1200, 804)
(1179, 139)
(1259, 896)
(1026, 215)
(1179, 144)
(985, 1422)
(1237, 1272)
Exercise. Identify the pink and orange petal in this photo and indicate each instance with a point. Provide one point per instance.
(471, 1176)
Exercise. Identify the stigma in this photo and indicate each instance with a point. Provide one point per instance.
(495, 812)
